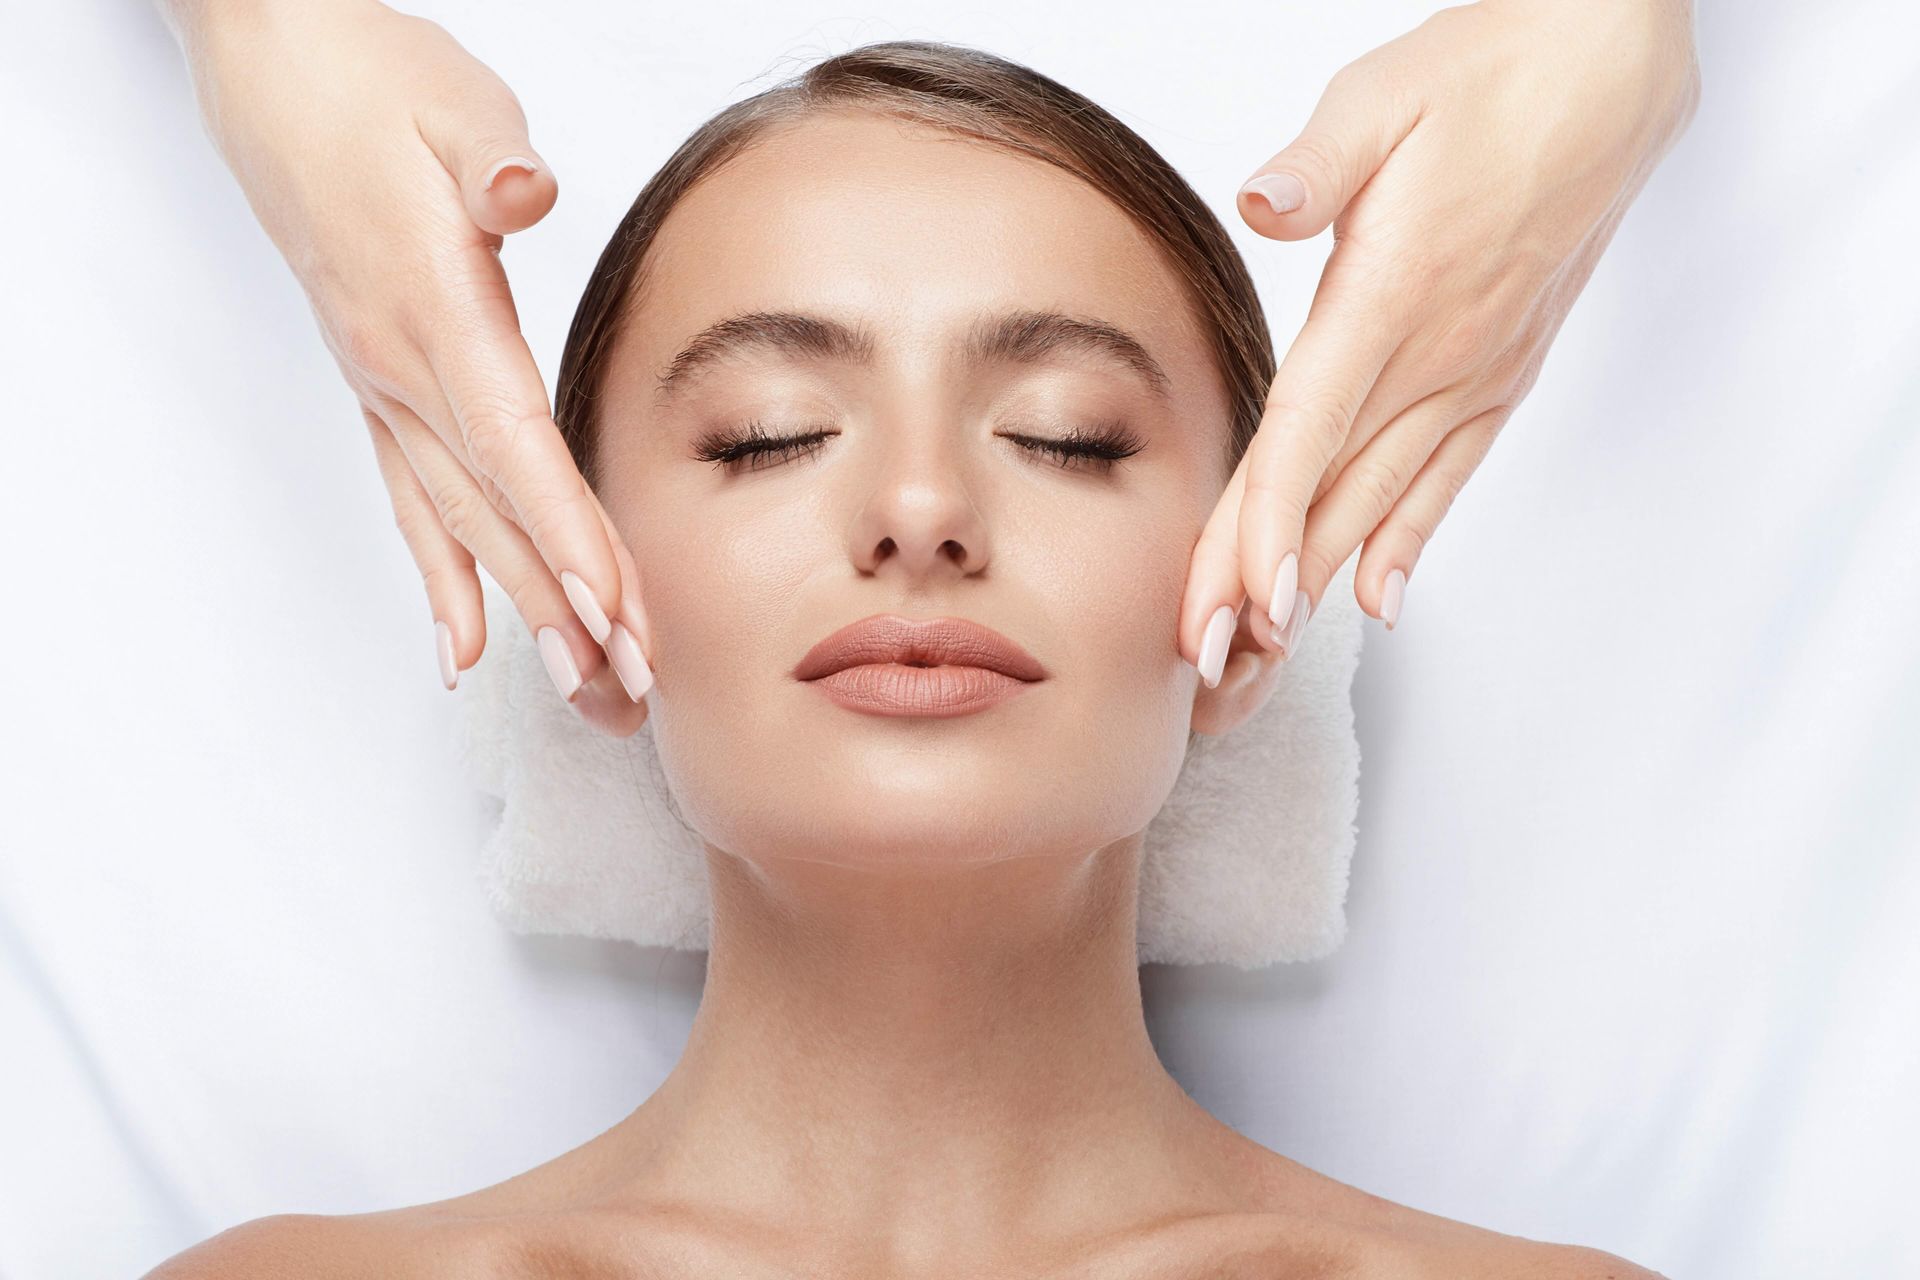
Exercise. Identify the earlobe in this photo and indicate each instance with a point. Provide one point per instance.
(1246, 682)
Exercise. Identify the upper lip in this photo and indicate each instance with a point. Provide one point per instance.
(887, 637)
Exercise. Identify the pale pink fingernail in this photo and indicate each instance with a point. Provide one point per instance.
(559, 660)
(636, 677)
(1282, 191)
(581, 597)
(443, 643)
(1280, 603)
(1213, 645)
(511, 162)
(1390, 598)
(1302, 608)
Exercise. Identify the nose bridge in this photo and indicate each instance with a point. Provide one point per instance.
(920, 514)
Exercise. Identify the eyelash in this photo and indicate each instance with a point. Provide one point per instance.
(1099, 446)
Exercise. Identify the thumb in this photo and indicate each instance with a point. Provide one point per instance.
(1299, 192)
(481, 138)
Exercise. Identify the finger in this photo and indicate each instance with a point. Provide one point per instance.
(1213, 582)
(570, 652)
(479, 133)
(1395, 547)
(506, 434)
(1360, 118)
(1364, 492)
(453, 588)
(1310, 409)
(1405, 380)
(632, 638)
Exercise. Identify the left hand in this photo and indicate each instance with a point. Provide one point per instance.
(1472, 170)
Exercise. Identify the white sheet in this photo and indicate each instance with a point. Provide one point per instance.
(1631, 958)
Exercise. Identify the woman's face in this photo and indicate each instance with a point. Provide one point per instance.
(896, 252)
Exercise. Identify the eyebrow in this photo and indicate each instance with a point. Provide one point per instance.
(1022, 337)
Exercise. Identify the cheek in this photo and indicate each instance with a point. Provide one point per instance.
(719, 593)
(1114, 602)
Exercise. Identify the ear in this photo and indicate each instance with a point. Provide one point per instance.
(1246, 682)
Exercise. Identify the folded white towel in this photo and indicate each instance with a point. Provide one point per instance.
(1246, 864)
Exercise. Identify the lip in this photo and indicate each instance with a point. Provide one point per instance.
(890, 665)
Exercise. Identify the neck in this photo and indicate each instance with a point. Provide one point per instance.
(929, 1058)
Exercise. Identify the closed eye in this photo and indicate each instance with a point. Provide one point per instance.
(1096, 448)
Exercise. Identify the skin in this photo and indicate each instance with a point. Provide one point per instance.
(921, 1049)
(1472, 171)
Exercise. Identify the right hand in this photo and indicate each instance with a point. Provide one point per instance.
(387, 165)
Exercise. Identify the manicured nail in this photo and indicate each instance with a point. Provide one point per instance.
(1280, 603)
(559, 660)
(1302, 609)
(636, 677)
(580, 595)
(1282, 191)
(1391, 596)
(511, 162)
(1213, 645)
(443, 644)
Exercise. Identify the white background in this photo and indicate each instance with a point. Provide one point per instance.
(1632, 956)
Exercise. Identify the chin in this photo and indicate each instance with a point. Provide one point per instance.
(904, 814)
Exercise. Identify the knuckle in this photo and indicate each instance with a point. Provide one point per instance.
(492, 433)
(1266, 484)
(367, 350)
(1418, 533)
(1376, 484)
(544, 514)
(1325, 419)
(1349, 75)
(1469, 344)
(1316, 563)
(495, 496)
(1320, 152)
(410, 520)
(1450, 481)
(464, 512)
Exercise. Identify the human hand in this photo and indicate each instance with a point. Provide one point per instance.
(1472, 171)
(388, 165)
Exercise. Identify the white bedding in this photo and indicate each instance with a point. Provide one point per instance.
(1632, 953)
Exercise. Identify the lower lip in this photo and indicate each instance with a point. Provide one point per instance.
(894, 689)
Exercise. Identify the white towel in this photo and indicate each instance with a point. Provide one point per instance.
(1246, 864)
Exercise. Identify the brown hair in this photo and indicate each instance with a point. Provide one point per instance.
(979, 95)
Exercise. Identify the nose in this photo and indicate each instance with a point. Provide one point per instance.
(920, 519)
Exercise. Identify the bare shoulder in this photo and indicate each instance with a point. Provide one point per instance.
(295, 1246)
(436, 1242)
(1422, 1246)
(1376, 1237)
(1524, 1259)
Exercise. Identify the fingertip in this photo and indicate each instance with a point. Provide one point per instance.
(1281, 193)
(513, 194)
(443, 651)
(1392, 594)
(629, 663)
(1279, 205)
(1274, 204)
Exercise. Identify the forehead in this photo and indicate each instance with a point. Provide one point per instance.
(915, 229)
